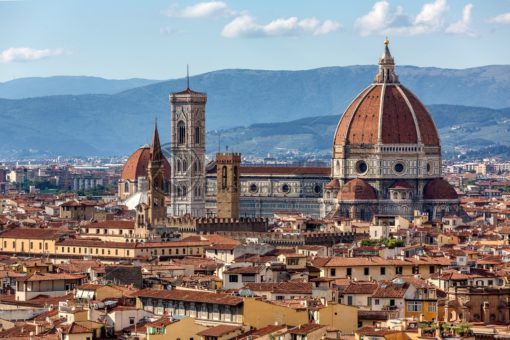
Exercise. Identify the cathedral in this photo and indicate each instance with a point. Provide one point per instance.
(387, 155)
(386, 160)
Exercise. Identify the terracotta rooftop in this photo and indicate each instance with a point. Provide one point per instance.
(188, 295)
(402, 119)
(31, 233)
(137, 163)
(290, 287)
(357, 189)
(218, 331)
(438, 189)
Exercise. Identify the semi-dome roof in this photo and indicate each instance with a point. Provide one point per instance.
(386, 113)
(137, 163)
(357, 189)
(439, 189)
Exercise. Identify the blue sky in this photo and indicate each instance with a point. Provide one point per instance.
(156, 39)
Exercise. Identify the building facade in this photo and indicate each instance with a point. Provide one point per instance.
(188, 153)
(387, 155)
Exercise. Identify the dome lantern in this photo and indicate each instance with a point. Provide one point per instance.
(386, 72)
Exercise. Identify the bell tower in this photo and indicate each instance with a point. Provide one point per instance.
(188, 152)
(227, 185)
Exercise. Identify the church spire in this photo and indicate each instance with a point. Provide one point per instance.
(386, 66)
(156, 153)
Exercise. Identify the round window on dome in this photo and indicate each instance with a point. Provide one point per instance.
(285, 188)
(317, 189)
(253, 187)
(361, 167)
(399, 168)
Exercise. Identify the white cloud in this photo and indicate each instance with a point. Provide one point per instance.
(502, 19)
(463, 26)
(15, 54)
(199, 10)
(386, 20)
(245, 26)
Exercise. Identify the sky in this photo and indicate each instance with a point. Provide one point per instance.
(156, 39)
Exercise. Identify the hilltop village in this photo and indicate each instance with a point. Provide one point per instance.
(389, 242)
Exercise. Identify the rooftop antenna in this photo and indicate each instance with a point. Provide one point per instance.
(187, 76)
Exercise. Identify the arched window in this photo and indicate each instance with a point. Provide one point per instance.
(179, 165)
(184, 191)
(179, 192)
(181, 132)
(184, 166)
(235, 170)
(224, 177)
(126, 187)
(197, 135)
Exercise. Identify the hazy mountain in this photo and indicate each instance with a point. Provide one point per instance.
(60, 85)
(460, 126)
(118, 123)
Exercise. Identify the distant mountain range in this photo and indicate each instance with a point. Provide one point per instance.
(461, 127)
(62, 85)
(241, 103)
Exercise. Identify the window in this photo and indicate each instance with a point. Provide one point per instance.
(332, 272)
(416, 270)
(31, 244)
(366, 271)
(349, 271)
(432, 269)
(40, 245)
(399, 168)
(432, 307)
(132, 320)
(181, 132)
(197, 135)
(383, 270)
(398, 270)
(414, 306)
(376, 302)
(361, 167)
(233, 278)
(224, 177)
(349, 300)
(392, 302)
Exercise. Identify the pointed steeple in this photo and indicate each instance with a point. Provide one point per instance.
(386, 72)
(156, 153)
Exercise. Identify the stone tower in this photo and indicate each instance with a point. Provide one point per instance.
(156, 181)
(188, 152)
(227, 185)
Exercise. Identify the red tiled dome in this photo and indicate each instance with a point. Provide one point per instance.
(137, 163)
(386, 113)
(357, 189)
(401, 185)
(439, 189)
(334, 184)
(399, 118)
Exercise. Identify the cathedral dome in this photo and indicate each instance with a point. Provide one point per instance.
(357, 189)
(386, 113)
(137, 163)
(439, 189)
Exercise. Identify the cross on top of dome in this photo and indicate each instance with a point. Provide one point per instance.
(386, 72)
